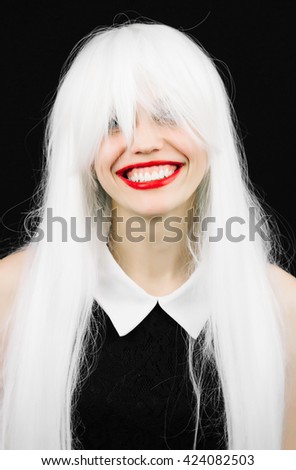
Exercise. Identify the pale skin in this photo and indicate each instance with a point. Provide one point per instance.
(162, 265)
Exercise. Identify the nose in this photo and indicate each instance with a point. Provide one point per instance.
(147, 137)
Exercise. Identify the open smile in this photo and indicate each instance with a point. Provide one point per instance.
(150, 175)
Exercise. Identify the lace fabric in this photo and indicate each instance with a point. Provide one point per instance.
(139, 395)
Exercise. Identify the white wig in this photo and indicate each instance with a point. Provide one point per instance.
(111, 73)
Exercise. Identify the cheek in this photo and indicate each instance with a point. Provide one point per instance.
(196, 155)
(110, 150)
(199, 158)
(188, 147)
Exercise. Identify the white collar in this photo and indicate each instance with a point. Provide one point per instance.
(127, 304)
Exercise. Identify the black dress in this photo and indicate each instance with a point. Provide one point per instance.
(139, 395)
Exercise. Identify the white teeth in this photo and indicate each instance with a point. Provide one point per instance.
(140, 177)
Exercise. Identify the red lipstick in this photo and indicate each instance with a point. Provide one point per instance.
(149, 184)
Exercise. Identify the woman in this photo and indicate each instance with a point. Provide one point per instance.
(141, 135)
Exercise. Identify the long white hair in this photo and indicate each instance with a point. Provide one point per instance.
(110, 73)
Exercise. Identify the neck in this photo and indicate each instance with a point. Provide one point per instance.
(151, 250)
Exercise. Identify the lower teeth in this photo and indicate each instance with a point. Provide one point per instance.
(148, 181)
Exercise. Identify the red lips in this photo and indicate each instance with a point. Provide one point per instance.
(149, 184)
(125, 169)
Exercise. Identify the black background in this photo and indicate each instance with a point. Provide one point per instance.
(254, 39)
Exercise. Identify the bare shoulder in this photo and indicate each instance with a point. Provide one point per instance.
(284, 285)
(10, 271)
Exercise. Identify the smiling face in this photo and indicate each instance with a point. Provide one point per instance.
(157, 174)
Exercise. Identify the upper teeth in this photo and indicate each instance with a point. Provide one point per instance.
(145, 176)
(151, 172)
